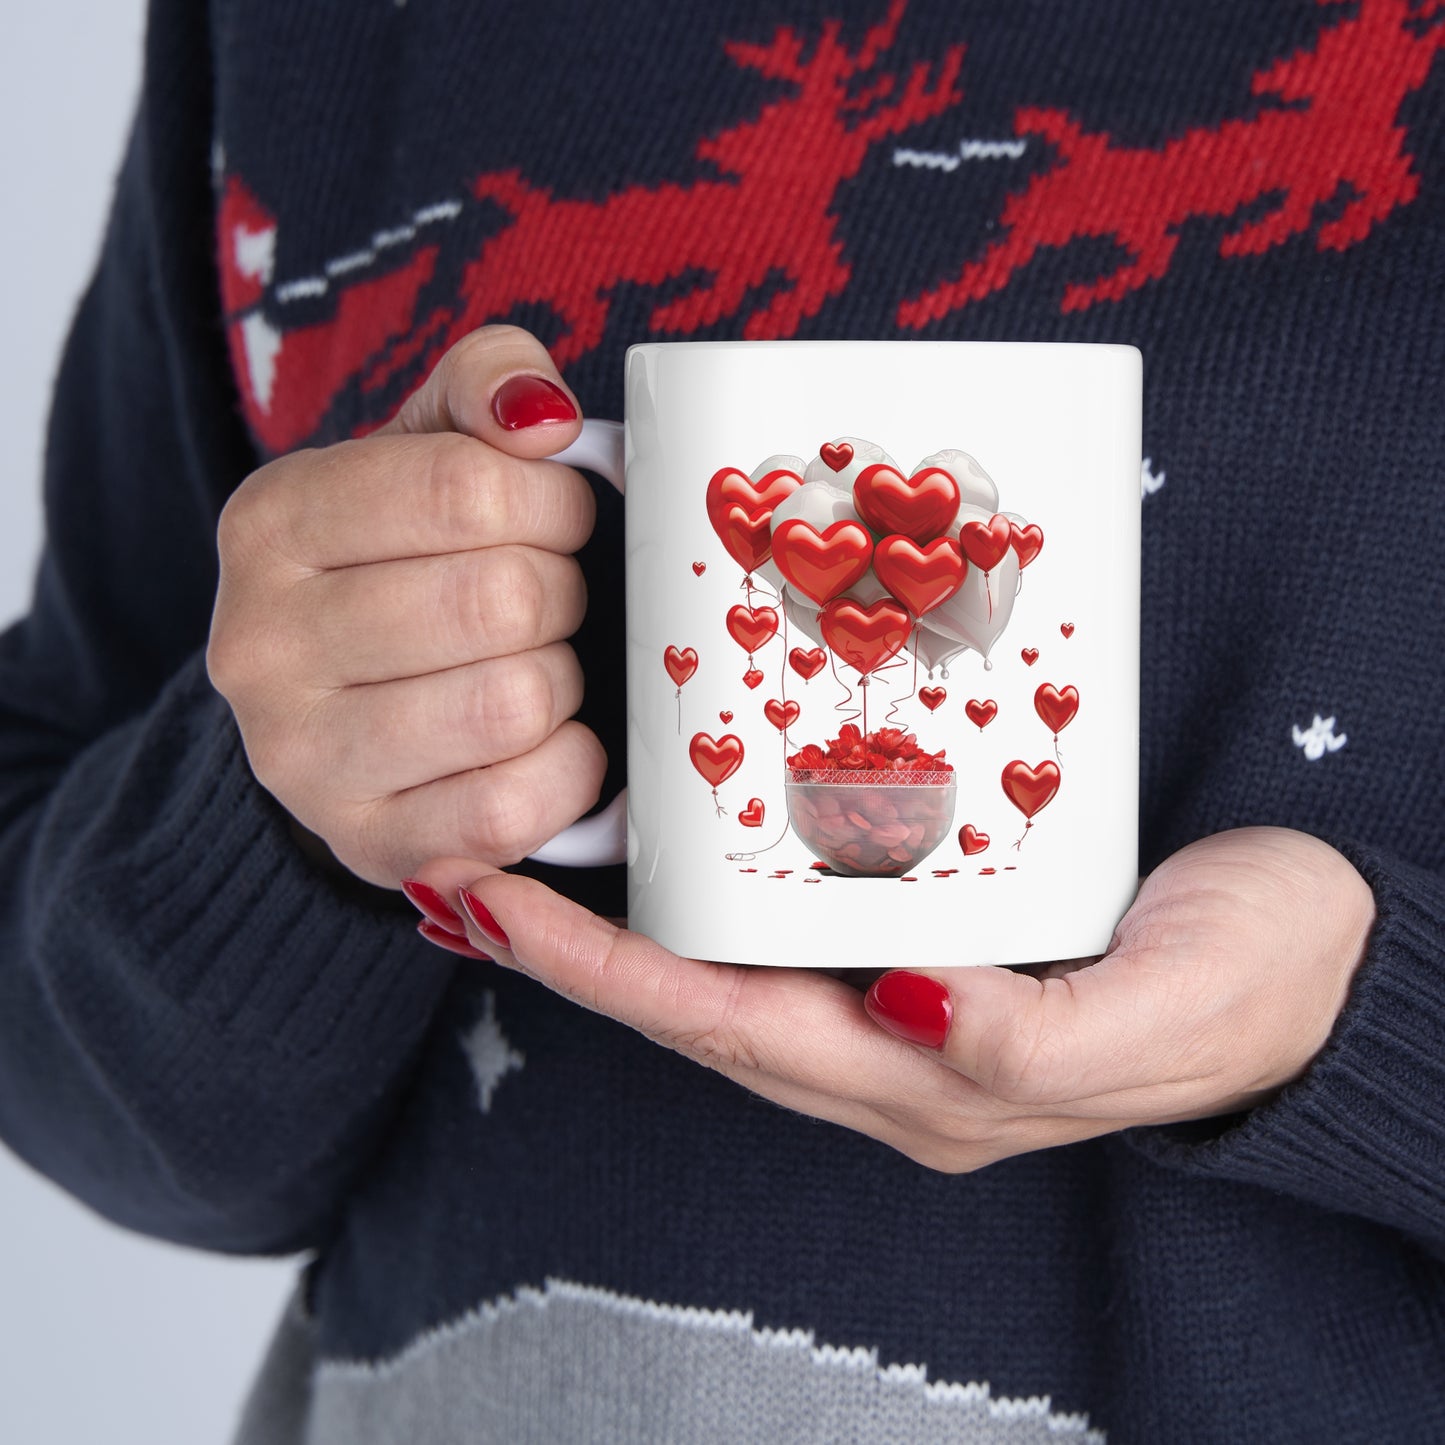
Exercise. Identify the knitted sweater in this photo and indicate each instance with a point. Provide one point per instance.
(528, 1223)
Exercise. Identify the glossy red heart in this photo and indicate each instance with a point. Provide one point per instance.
(920, 577)
(741, 511)
(726, 715)
(971, 840)
(698, 568)
(751, 627)
(680, 665)
(717, 759)
(752, 677)
(807, 664)
(1030, 655)
(922, 506)
(752, 815)
(1056, 706)
(980, 714)
(932, 697)
(1030, 789)
(985, 543)
(782, 715)
(822, 564)
(865, 637)
(1067, 628)
(1028, 542)
(836, 455)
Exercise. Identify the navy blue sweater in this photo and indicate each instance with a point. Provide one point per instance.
(529, 1223)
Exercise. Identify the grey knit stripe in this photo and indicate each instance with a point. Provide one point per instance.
(574, 1365)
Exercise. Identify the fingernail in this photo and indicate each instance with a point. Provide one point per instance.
(450, 941)
(914, 1008)
(481, 917)
(433, 906)
(523, 401)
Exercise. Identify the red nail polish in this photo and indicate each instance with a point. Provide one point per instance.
(523, 401)
(914, 1008)
(450, 941)
(433, 906)
(481, 916)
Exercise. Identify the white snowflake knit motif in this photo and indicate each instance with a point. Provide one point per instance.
(1319, 738)
(489, 1052)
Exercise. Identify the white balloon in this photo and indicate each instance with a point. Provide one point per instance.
(865, 454)
(974, 483)
(934, 649)
(979, 611)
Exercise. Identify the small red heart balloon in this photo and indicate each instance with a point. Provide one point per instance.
(1056, 706)
(980, 714)
(680, 665)
(920, 577)
(741, 511)
(865, 637)
(1030, 655)
(807, 664)
(782, 715)
(751, 627)
(752, 815)
(985, 543)
(1030, 789)
(1067, 628)
(1028, 542)
(836, 455)
(726, 715)
(698, 568)
(922, 506)
(971, 840)
(932, 697)
(822, 564)
(717, 759)
(752, 677)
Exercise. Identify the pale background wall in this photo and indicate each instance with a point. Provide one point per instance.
(103, 1336)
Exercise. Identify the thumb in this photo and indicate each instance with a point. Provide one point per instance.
(498, 385)
(1028, 1040)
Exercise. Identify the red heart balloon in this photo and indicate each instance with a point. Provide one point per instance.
(836, 455)
(985, 543)
(741, 511)
(726, 715)
(717, 759)
(932, 697)
(782, 715)
(865, 637)
(751, 627)
(698, 568)
(1056, 706)
(1067, 628)
(1030, 655)
(1030, 789)
(752, 677)
(971, 840)
(680, 665)
(922, 506)
(980, 714)
(752, 815)
(1028, 542)
(921, 578)
(822, 564)
(807, 664)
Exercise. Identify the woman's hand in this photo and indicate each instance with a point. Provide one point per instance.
(1221, 984)
(390, 621)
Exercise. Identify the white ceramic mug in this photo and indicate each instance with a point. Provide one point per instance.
(882, 650)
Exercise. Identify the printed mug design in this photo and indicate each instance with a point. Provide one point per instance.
(881, 573)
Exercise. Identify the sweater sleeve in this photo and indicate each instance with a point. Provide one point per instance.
(200, 1036)
(1362, 1132)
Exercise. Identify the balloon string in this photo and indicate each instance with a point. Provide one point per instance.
(748, 857)
(717, 803)
(847, 702)
(1028, 823)
(679, 712)
(1058, 756)
(863, 685)
(988, 592)
(897, 702)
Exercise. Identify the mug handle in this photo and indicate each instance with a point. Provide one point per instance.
(601, 839)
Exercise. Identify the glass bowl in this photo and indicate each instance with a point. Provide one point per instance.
(868, 824)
